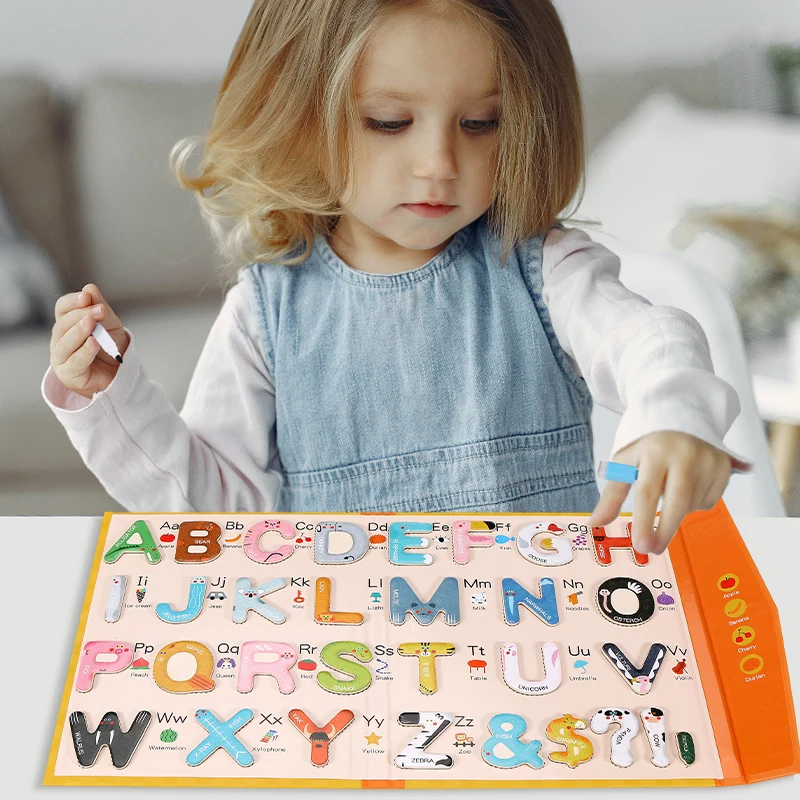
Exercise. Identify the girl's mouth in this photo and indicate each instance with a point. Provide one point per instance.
(428, 210)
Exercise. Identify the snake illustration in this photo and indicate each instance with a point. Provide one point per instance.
(562, 731)
(360, 677)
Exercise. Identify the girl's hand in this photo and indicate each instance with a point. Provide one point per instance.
(75, 355)
(691, 473)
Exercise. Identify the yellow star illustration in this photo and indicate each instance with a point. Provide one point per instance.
(373, 738)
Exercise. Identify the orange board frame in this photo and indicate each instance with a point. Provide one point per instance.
(706, 550)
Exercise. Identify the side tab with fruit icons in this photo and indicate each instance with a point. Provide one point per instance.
(738, 644)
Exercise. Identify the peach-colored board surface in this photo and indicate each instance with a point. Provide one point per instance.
(366, 749)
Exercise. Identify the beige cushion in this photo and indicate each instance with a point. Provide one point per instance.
(144, 239)
(32, 175)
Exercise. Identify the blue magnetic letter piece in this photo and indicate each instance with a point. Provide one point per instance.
(250, 598)
(398, 542)
(513, 752)
(221, 734)
(403, 599)
(197, 593)
(614, 471)
(545, 606)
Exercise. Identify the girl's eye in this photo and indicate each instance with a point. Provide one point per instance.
(395, 126)
(390, 126)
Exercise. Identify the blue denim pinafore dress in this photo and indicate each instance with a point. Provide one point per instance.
(442, 388)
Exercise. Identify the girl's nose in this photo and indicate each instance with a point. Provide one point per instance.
(435, 157)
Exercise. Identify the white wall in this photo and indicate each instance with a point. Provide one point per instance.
(636, 32)
(67, 39)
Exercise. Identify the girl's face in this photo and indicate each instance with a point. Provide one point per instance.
(433, 145)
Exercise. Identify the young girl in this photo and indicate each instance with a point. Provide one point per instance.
(416, 330)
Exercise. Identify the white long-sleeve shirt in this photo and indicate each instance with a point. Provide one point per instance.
(649, 363)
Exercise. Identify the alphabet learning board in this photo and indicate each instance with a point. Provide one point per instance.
(422, 650)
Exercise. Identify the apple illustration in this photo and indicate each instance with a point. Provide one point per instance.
(167, 537)
(728, 583)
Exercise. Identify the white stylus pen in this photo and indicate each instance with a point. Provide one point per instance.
(106, 342)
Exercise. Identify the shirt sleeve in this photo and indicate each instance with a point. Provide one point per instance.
(651, 364)
(217, 455)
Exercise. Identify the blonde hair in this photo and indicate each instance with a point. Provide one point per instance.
(278, 154)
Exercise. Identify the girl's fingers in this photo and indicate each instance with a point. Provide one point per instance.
(80, 361)
(714, 492)
(74, 300)
(705, 478)
(71, 307)
(609, 504)
(111, 321)
(72, 340)
(68, 302)
(679, 500)
(645, 502)
(71, 318)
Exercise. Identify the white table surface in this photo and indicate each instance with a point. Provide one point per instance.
(54, 554)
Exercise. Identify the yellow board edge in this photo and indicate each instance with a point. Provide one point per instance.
(555, 784)
(342, 783)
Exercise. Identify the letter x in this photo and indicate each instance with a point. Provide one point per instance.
(221, 734)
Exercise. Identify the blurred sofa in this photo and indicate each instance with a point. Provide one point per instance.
(87, 177)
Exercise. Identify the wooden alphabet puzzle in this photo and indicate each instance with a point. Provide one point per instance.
(415, 650)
